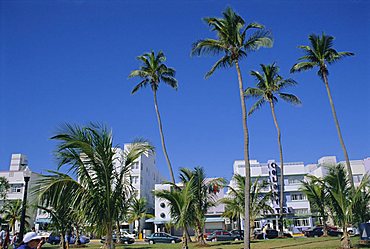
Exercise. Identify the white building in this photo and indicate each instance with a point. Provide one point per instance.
(295, 202)
(16, 181)
(359, 167)
(214, 221)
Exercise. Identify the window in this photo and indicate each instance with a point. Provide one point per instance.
(135, 165)
(134, 179)
(16, 188)
(301, 222)
(163, 215)
(301, 211)
(357, 178)
(162, 205)
(257, 224)
(294, 180)
(298, 197)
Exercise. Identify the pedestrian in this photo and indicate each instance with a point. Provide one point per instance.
(6, 240)
(264, 232)
(31, 241)
(2, 237)
(14, 241)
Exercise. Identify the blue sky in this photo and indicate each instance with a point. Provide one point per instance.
(68, 61)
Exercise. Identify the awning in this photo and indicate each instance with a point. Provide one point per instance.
(215, 219)
(43, 220)
(158, 220)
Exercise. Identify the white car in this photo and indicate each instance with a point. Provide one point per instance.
(126, 234)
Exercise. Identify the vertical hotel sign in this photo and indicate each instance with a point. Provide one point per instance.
(272, 166)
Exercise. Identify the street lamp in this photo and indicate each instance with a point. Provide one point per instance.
(26, 175)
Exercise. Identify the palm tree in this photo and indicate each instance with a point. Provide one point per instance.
(321, 54)
(138, 211)
(233, 44)
(205, 191)
(343, 198)
(152, 72)
(182, 210)
(12, 212)
(4, 187)
(316, 194)
(61, 218)
(259, 200)
(269, 87)
(102, 184)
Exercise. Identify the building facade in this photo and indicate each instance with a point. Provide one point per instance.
(214, 219)
(15, 177)
(296, 206)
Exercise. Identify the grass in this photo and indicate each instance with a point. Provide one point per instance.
(293, 243)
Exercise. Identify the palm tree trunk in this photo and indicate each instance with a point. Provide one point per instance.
(246, 159)
(348, 164)
(63, 240)
(201, 240)
(138, 228)
(281, 202)
(184, 239)
(162, 137)
(109, 238)
(345, 241)
(325, 230)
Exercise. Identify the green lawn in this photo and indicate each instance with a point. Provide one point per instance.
(294, 243)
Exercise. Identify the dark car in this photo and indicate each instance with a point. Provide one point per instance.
(162, 238)
(53, 239)
(314, 232)
(237, 232)
(334, 233)
(123, 239)
(270, 234)
(222, 236)
(82, 240)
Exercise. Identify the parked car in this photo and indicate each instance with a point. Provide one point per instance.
(83, 240)
(318, 232)
(238, 232)
(122, 239)
(270, 234)
(162, 238)
(222, 236)
(314, 232)
(53, 239)
(127, 234)
(335, 233)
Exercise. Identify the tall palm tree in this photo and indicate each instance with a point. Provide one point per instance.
(138, 211)
(321, 54)
(232, 42)
(260, 199)
(152, 72)
(182, 210)
(205, 191)
(12, 212)
(269, 86)
(101, 171)
(316, 194)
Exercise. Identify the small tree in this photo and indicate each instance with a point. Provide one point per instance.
(138, 211)
(182, 209)
(314, 189)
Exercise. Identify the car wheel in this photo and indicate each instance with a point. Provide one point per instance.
(214, 240)
(151, 242)
(236, 239)
(173, 241)
(125, 242)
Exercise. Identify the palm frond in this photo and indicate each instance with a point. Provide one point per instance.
(290, 98)
(224, 62)
(302, 66)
